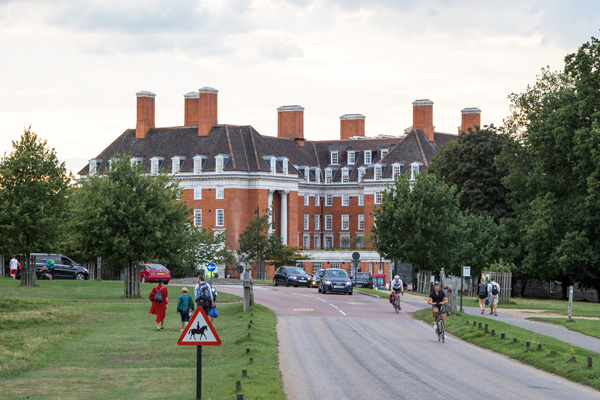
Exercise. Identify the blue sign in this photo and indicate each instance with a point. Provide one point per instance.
(212, 267)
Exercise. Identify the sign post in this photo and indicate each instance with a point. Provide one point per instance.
(464, 272)
(199, 332)
(570, 302)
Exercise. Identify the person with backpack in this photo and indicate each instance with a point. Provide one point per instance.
(185, 306)
(213, 310)
(48, 267)
(482, 293)
(203, 295)
(158, 296)
(494, 296)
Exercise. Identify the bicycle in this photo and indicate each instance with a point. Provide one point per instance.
(440, 330)
(395, 303)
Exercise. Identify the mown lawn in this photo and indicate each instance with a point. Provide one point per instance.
(74, 340)
(590, 327)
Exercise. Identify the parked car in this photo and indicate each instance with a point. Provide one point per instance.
(64, 267)
(287, 276)
(362, 279)
(335, 280)
(314, 282)
(153, 272)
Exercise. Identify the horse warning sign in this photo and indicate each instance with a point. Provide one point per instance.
(199, 331)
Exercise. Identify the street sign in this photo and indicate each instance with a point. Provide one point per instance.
(212, 267)
(466, 271)
(356, 256)
(199, 331)
(240, 269)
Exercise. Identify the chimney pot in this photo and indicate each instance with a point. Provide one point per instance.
(207, 110)
(423, 117)
(145, 113)
(290, 121)
(352, 125)
(190, 109)
(471, 117)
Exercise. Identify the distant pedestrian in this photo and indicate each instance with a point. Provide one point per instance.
(14, 266)
(185, 307)
(493, 296)
(203, 295)
(212, 313)
(158, 296)
(482, 293)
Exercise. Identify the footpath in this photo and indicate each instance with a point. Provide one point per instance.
(511, 317)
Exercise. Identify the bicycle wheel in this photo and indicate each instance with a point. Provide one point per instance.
(442, 332)
(396, 307)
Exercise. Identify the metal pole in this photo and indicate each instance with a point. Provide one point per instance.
(199, 373)
(461, 288)
(570, 302)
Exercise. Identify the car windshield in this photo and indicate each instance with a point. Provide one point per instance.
(156, 266)
(364, 275)
(336, 274)
(298, 271)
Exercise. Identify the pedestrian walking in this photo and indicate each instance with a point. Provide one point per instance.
(482, 293)
(158, 296)
(14, 266)
(203, 295)
(185, 307)
(213, 310)
(493, 296)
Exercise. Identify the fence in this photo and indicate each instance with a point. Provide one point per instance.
(94, 268)
(2, 270)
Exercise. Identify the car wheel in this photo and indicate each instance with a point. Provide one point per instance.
(274, 282)
(143, 279)
(287, 283)
(350, 293)
(79, 276)
(166, 282)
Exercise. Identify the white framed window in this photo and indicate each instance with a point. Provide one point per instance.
(306, 199)
(198, 164)
(135, 161)
(345, 175)
(306, 222)
(361, 242)
(351, 157)
(220, 192)
(334, 157)
(317, 201)
(285, 167)
(378, 197)
(368, 157)
(197, 192)
(377, 172)
(361, 222)
(328, 242)
(273, 165)
(317, 222)
(198, 218)
(94, 166)
(306, 174)
(155, 164)
(415, 169)
(328, 222)
(328, 175)
(318, 175)
(384, 152)
(317, 245)
(335, 264)
(361, 173)
(345, 222)
(220, 217)
(361, 199)
(316, 265)
(396, 170)
(176, 163)
(219, 164)
(328, 200)
(306, 241)
(345, 200)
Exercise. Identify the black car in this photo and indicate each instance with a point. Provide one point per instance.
(64, 267)
(294, 276)
(335, 280)
(362, 279)
(314, 281)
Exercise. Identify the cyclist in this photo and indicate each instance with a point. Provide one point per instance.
(48, 267)
(437, 298)
(397, 288)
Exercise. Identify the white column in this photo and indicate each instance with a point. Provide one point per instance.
(269, 205)
(284, 216)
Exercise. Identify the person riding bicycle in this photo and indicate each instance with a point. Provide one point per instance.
(437, 299)
(48, 267)
(397, 288)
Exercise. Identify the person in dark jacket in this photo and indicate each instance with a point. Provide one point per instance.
(482, 293)
(185, 307)
(159, 307)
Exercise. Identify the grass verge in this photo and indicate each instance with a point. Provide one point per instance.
(590, 327)
(73, 340)
(555, 356)
(378, 293)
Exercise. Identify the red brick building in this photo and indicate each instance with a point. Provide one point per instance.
(321, 193)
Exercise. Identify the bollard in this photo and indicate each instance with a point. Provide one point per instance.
(247, 350)
(252, 314)
(238, 386)
(474, 323)
(244, 373)
(248, 335)
(493, 332)
(502, 335)
(589, 362)
(552, 352)
(514, 340)
(251, 322)
(486, 328)
(573, 359)
(539, 347)
(249, 326)
(527, 344)
(462, 318)
(251, 359)
(479, 325)
(239, 397)
(467, 322)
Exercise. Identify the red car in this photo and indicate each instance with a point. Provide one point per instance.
(154, 272)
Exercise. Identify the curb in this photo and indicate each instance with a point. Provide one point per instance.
(367, 294)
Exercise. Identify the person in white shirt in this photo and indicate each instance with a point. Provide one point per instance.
(493, 287)
(397, 287)
(14, 266)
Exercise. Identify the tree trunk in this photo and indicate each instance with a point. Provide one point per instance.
(523, 286)
(130, 283)
(28, 271)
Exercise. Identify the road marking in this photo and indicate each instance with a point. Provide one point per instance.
(304, 309)
(353, 302)
(342, 312)
(333, 306)
(324, 301)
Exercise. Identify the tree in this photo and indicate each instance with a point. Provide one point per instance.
(254, 241)
(469, 164)
(418, 224)
(281, 254)
(33, 197)
(126, 215)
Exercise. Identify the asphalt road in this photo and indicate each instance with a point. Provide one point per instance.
(355, 347)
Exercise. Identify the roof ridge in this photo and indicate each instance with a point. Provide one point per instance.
(230, 147)
(258, 164)
(420, 147)
(245, 151)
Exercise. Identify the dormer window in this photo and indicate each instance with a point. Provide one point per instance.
(220, 161)
(397, 170)
(318, 175)
(384, 152)
(328, 175)
(361, 173)
(284, 163)
(94, 166)
(351, 157)
(306, 174)
(199, 162)
(135, 161)
(176, 164)
(273, 165)
(368, 157)
(345, 175)
(415, 169)
(377, 172)
(334, 157)
(156, 164)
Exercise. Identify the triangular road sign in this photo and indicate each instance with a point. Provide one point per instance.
(199, 331)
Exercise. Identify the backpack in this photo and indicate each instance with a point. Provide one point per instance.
(494, 289)
(214, 293)
(204, 294)
(158, 296)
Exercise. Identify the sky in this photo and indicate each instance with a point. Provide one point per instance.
(71, 68)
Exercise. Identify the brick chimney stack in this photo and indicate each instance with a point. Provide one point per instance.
(207, 110)
(290, 122)
(471, 117)
(352, 125)
(423, 117)
(145, 114)
(191, 108)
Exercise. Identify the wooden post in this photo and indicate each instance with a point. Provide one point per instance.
(474, 323)
(238, 386)
(573, 359)
(589, 362)
(99, 268)
(244, 373)
(479, 326)
(493, 332)
(486, 328)
(247, 350)
(515, 340)
(239, 396)
(527, 344)
(539, 346)
(501, 335)
(1, 265)
(251, 359)
(570, 301)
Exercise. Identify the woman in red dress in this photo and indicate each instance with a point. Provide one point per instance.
(159, 307)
